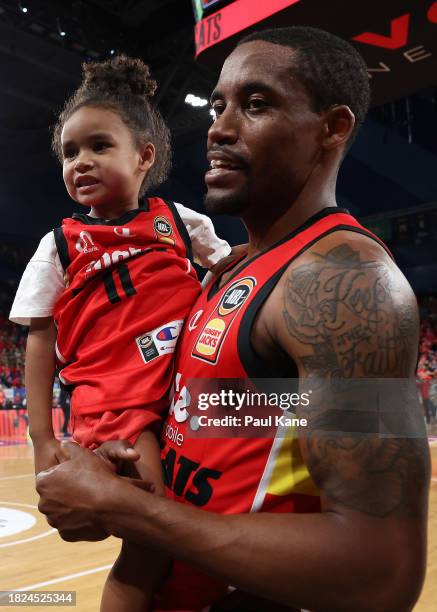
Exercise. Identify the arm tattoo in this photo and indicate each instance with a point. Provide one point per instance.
(336, 305)
(351, 319)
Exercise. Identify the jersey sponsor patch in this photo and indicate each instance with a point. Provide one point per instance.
(163, 230)
(210, 340)
(85, 243)
(159, 341)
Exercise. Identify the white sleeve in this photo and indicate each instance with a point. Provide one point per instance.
(41, 284)
(208, 248)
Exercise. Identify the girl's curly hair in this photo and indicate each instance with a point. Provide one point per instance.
(124, 85)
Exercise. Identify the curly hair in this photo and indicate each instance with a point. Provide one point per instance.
(331, 69)
(124, 85)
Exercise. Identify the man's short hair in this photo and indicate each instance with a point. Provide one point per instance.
(331, 70)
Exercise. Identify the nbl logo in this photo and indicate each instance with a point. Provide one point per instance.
(85, 243)
(163, 230)
(145, 342)
(163, 226)
(236, 295)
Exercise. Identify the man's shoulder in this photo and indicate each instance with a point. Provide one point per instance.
(341, 250)
(345, 290)
(346, 245)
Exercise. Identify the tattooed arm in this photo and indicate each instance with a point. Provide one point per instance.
(341, 311)
(350, 321)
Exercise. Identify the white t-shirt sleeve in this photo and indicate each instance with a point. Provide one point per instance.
(41, 284)
(208, 248)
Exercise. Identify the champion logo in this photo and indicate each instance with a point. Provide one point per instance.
(159, 341)
(123, 232)
(85, 243)
(167, 333)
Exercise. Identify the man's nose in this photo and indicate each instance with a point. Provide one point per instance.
(224, 130)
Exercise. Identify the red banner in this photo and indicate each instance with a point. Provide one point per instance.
(233, 18)
(397, 38)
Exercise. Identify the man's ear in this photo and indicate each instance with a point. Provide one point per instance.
(339, 125)
(147, 156)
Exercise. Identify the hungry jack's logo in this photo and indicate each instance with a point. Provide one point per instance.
(213, 334)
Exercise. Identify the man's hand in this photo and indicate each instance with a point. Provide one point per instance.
(73, 493)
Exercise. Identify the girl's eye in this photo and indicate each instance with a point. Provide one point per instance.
(68, 153)
(100, 146)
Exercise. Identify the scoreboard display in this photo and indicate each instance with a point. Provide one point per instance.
(396, 38)
(202, 8)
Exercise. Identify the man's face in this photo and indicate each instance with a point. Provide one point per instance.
(265, 140)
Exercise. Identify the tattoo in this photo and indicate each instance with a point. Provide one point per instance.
(336, 305)
(365, 446)
(376, 476)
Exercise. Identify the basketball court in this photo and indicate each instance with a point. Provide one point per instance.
(35, 558)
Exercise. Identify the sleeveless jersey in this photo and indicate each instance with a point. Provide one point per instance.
(129, 286)
(237, 475)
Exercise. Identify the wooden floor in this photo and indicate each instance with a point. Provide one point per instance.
(38, 559)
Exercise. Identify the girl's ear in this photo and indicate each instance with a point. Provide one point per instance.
(147, 156)
(339, 124)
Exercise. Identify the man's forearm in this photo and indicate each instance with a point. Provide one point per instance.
(318, 561)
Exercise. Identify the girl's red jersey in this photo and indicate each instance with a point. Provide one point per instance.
(129, 286)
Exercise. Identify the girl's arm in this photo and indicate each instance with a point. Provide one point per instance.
(39, 375)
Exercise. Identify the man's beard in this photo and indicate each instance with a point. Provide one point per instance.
(234, 205)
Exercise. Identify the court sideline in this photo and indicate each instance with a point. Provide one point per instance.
(35, 557)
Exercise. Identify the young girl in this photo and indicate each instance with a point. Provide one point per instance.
(108, 291)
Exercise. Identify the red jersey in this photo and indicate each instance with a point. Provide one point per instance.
(130, 284)
(237, 475)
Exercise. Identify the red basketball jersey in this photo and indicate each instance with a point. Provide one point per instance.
(237, 475)
(130, 284)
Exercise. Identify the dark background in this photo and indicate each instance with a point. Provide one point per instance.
(390, 172)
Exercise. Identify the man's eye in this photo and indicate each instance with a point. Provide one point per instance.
(256, 103)
(216, 110)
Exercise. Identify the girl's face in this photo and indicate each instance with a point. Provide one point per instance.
(102, 167)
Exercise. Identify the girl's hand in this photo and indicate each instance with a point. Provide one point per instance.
(115, 452)
(48, 453)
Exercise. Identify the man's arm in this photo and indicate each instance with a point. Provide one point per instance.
(345, 558)
(351, 324)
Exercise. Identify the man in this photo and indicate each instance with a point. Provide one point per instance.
(343, 528)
